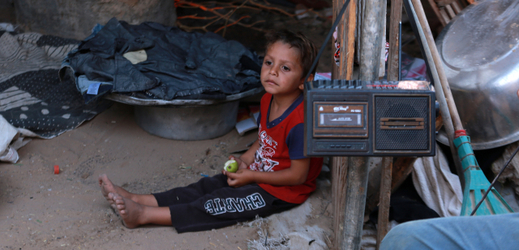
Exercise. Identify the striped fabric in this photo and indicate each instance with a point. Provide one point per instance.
(22, 53)
(31, 94)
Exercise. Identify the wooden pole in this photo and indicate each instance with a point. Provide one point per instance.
(339, 176)
(350, 38)
(356, 189)
(385, 195)
(394, 40)
(372, 23)
(392, 75)
(346, 39)
(371, 38)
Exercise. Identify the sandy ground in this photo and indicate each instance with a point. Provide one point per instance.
(43, 210)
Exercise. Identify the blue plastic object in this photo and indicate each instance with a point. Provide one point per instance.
(476, 184)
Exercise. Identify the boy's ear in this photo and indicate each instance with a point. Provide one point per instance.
(302, 85)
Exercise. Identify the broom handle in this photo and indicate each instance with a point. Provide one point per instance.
(418, 8)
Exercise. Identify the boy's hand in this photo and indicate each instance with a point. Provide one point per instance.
(242, 177)
(241, 163)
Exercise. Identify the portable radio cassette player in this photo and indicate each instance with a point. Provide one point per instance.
(369, 118)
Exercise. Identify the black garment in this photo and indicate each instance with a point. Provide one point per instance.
(211, 203)
(179, 64)
(406, 205)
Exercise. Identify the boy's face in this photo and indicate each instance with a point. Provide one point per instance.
(282, 72)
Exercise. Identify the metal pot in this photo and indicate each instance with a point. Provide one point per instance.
(480, 55)
(188, 120)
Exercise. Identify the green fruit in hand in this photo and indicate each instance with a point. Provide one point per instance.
(231, 166)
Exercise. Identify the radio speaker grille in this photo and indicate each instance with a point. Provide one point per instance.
(402, 139)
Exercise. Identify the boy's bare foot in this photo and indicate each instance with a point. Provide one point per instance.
(128, 210)
(107, 187)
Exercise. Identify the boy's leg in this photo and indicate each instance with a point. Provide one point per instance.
(212, 204)
(135, 214)
(108, 187)
(225, 206)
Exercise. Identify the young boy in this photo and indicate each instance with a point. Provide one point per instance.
(273, 175)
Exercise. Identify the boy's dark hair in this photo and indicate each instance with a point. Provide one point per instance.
(307, 49)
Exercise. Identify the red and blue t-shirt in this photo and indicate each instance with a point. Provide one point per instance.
(281, 141)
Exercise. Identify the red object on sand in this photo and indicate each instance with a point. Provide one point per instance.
(56, 169)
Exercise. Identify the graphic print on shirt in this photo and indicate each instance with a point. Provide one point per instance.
(218, 206)
(262, 159)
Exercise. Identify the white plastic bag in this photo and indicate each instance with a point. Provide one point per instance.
(7, 134)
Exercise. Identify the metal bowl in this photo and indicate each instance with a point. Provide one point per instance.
(188, 120)
(480, 55)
